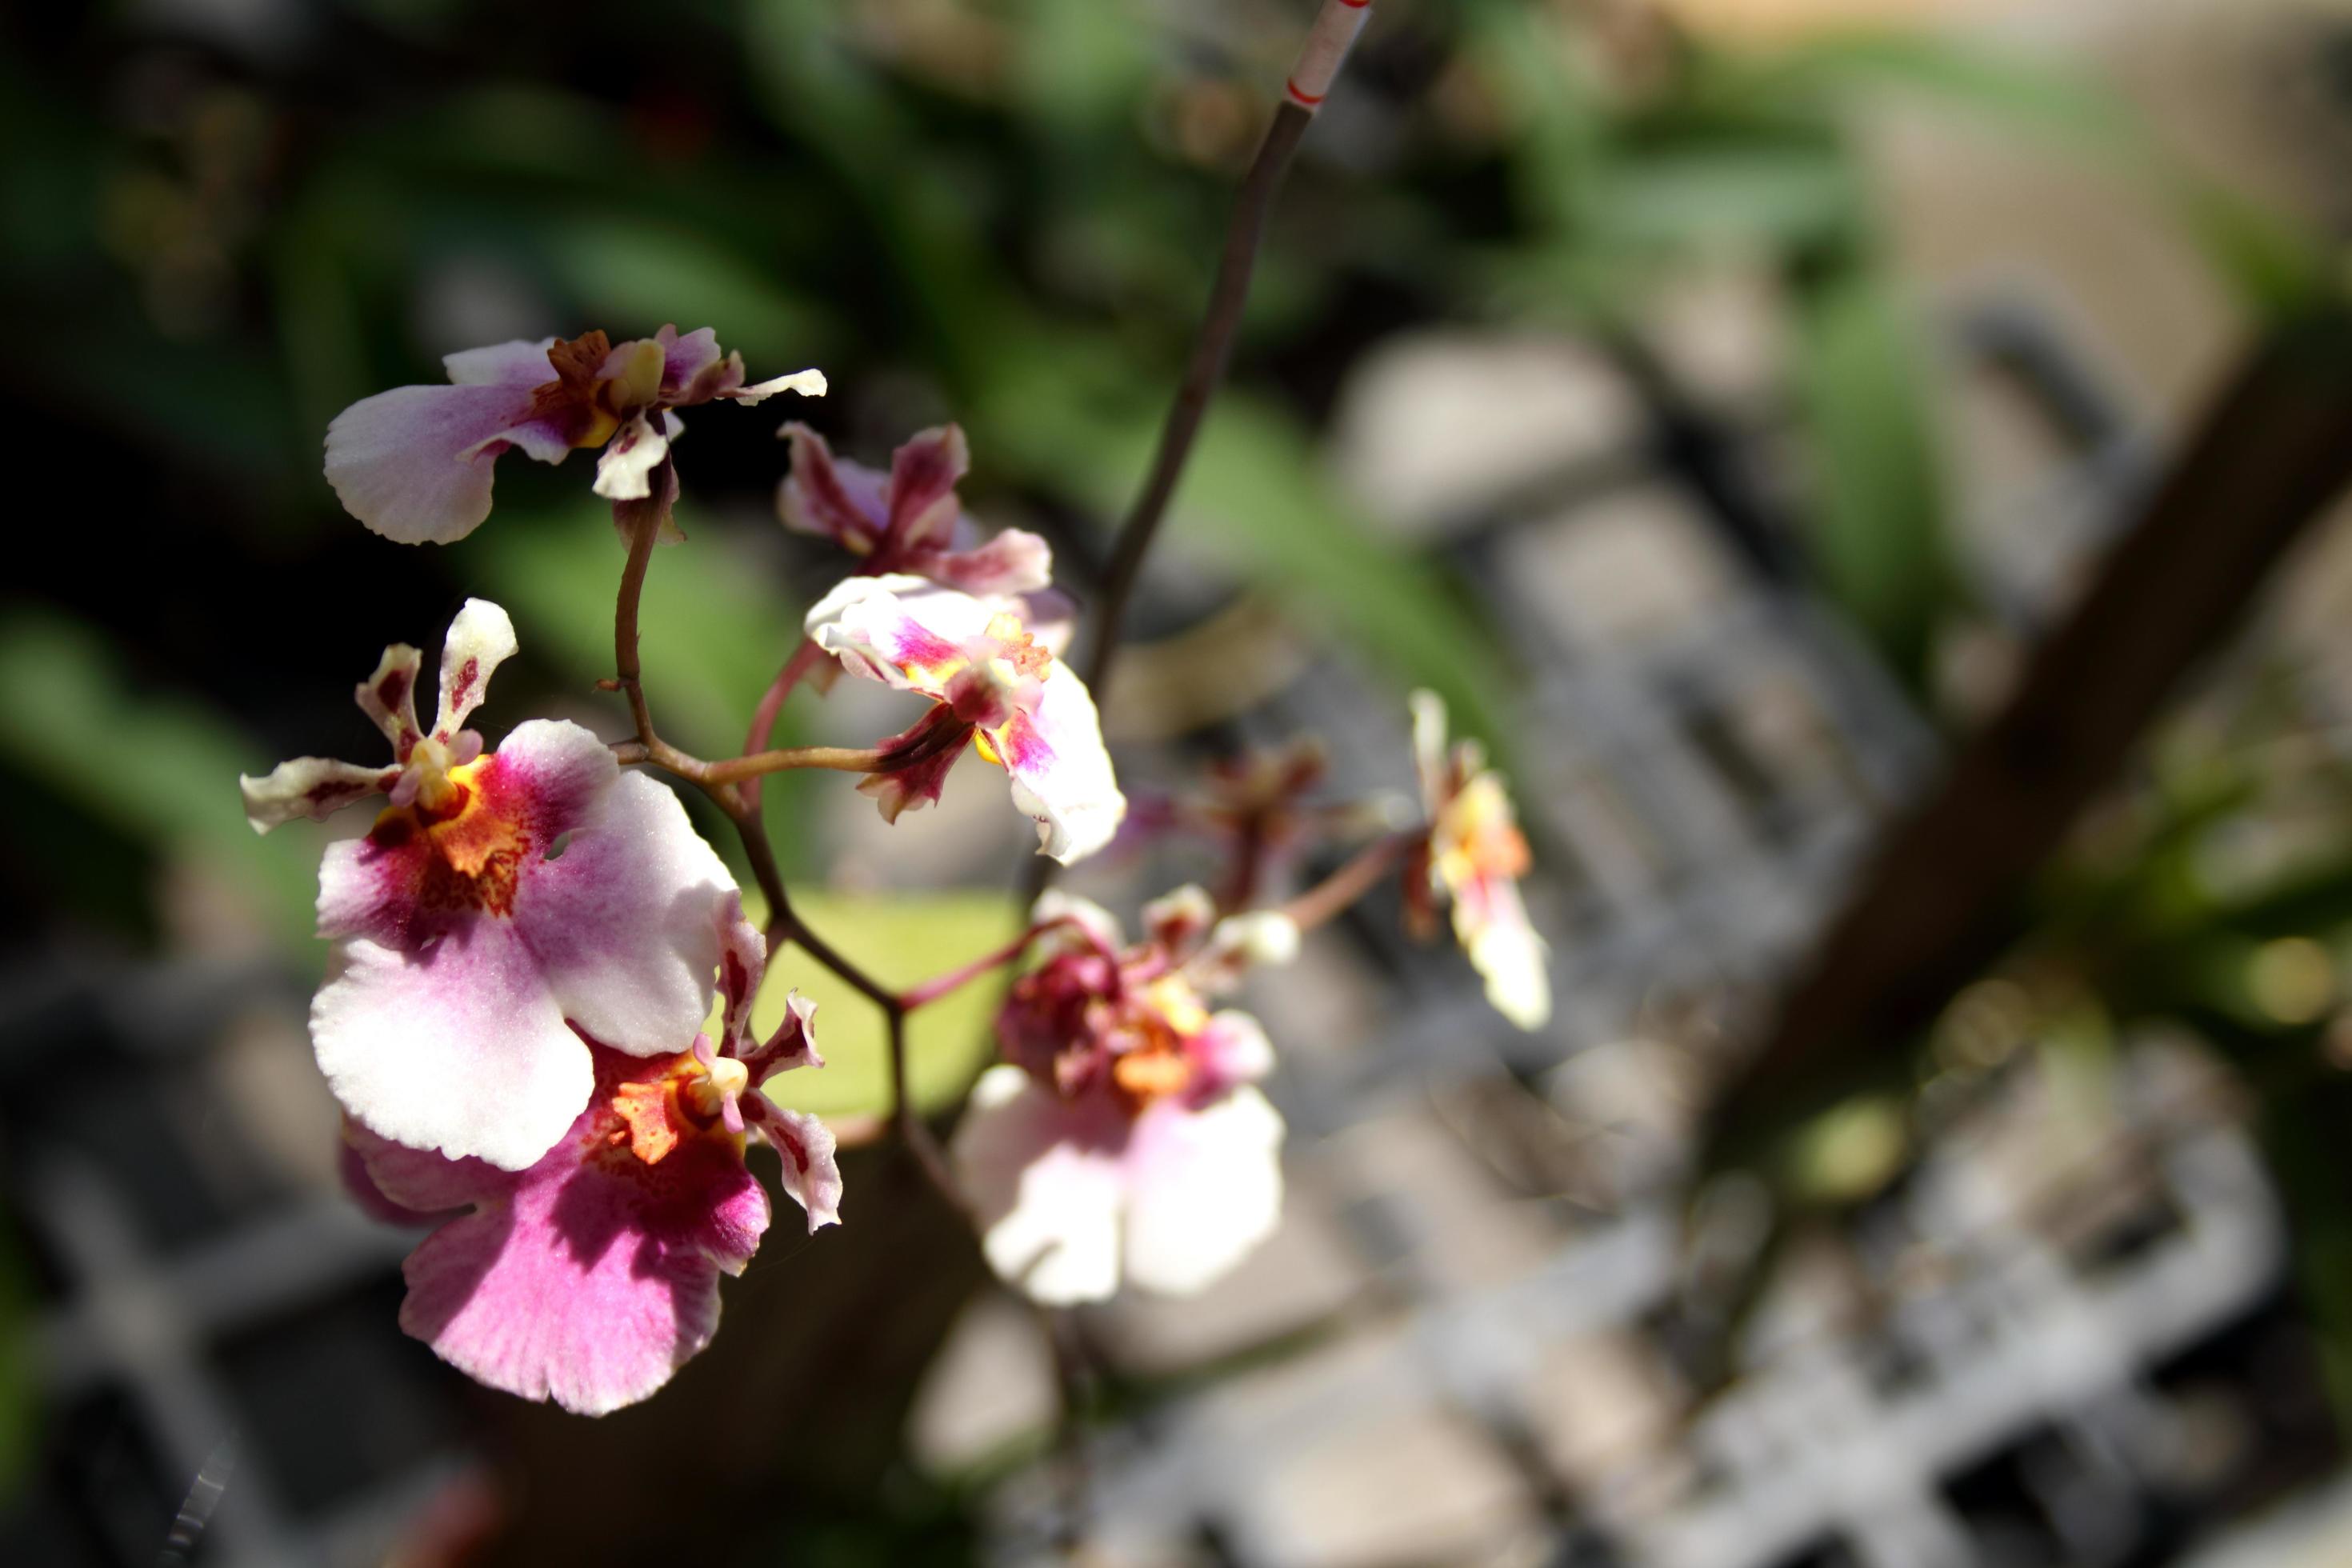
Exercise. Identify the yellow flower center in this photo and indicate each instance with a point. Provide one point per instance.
(678, 1099)
(1478, 837)
(477, 853)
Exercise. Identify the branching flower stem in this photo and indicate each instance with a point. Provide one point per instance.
(805, 657)
(1319, 60)
(719, 780)
(1358, 875)
(955, 979)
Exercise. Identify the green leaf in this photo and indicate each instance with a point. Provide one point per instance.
(159, 769)
(711, 634)
(1879, 531)
(1787, 195)
(2013, 89)
(899, 939)
(2277, 267)
(627, 269)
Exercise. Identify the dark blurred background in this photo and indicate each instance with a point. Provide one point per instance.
(1725, 404)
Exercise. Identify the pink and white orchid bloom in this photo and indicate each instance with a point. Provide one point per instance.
(993, 685)
(415, 464)
(593, 1275)
(1475, 857)
(502, 898)
(1124, 1137)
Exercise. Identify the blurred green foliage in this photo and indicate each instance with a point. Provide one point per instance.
(899, 939)
(1003, 213)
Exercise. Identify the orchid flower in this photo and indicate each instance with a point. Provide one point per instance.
(1475, 857)
(591, 1277)
(908, 519)
(499, 900)
(990, 684)
(1123, 1137)
(415, 464)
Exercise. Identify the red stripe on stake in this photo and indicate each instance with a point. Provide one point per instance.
(1327, 46)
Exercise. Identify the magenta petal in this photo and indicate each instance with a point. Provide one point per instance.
(685, 356)
(550, 775)
(415, 464)
(591, 1277)
(559, 1296)
(923, 477)
(414, 1182)
(842, 501)
(1013, 562)
(365, 1191)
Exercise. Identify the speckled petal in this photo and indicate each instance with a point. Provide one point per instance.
(906, 631)
(806, 1146)
(625, 470)
(480, 639)
(315, 787)
(389, 698)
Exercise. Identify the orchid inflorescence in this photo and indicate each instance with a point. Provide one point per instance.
(539, 1019)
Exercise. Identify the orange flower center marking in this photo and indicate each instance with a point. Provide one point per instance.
(678, 1099)
(1477, 836)
(1016, 649)
(587, 405)
(1153, 1063)
(477, 853)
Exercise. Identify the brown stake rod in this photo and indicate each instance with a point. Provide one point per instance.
(1936, 904)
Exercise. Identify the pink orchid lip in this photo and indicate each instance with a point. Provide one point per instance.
(590, 1275)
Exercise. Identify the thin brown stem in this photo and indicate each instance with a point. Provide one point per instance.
(626, 664)
(940, 986)
(1211, 351)
(1360, 874)
(771, 704)
(784, 923)
(838, 759)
